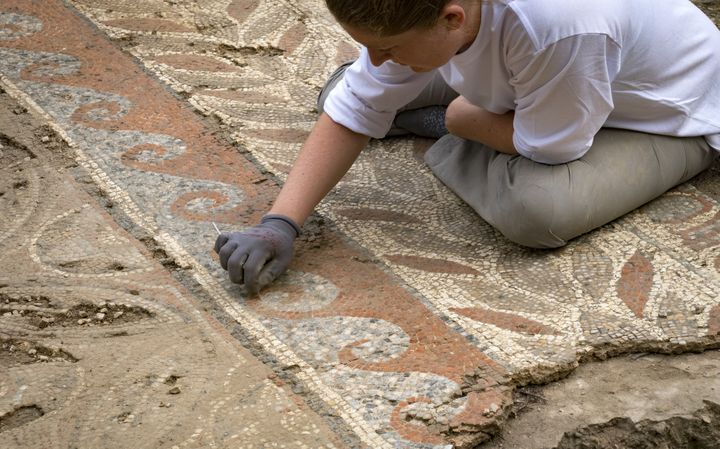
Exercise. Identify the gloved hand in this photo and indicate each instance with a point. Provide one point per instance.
(257, 256)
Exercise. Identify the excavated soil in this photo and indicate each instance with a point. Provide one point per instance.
(699, 431)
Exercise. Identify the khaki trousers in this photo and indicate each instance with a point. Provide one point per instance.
(544, 206)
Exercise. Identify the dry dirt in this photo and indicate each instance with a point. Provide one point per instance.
(699, 431)
(597, 405)
(101, 347)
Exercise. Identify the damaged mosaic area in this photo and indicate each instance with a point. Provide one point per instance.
(425, 364)
(99, 345)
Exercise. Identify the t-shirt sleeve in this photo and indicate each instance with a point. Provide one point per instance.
(563, 95)
(368, 97)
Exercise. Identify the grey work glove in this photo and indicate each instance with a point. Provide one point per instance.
(258, 255)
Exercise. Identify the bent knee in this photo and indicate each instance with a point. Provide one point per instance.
(530, 217)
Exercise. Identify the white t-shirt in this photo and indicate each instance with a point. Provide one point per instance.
(567, 68)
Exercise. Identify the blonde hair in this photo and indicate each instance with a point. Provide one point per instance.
(387, 17)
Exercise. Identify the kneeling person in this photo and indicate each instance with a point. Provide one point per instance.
(562, 115)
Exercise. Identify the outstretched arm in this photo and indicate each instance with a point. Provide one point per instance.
(258, 255)
(324, 159)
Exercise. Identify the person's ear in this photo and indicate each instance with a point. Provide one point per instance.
(453, 16)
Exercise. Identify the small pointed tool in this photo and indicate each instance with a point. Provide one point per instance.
(216, 228)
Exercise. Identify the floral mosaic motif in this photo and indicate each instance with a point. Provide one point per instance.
(150, 25)
(240, 10)
(431, 265)
(197, 63)
(636, 282)
(506, 321)
(368, 214)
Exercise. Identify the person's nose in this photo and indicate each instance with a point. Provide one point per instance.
(377, 57)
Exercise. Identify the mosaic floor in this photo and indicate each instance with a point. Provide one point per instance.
(100, 347)
(404, 314)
